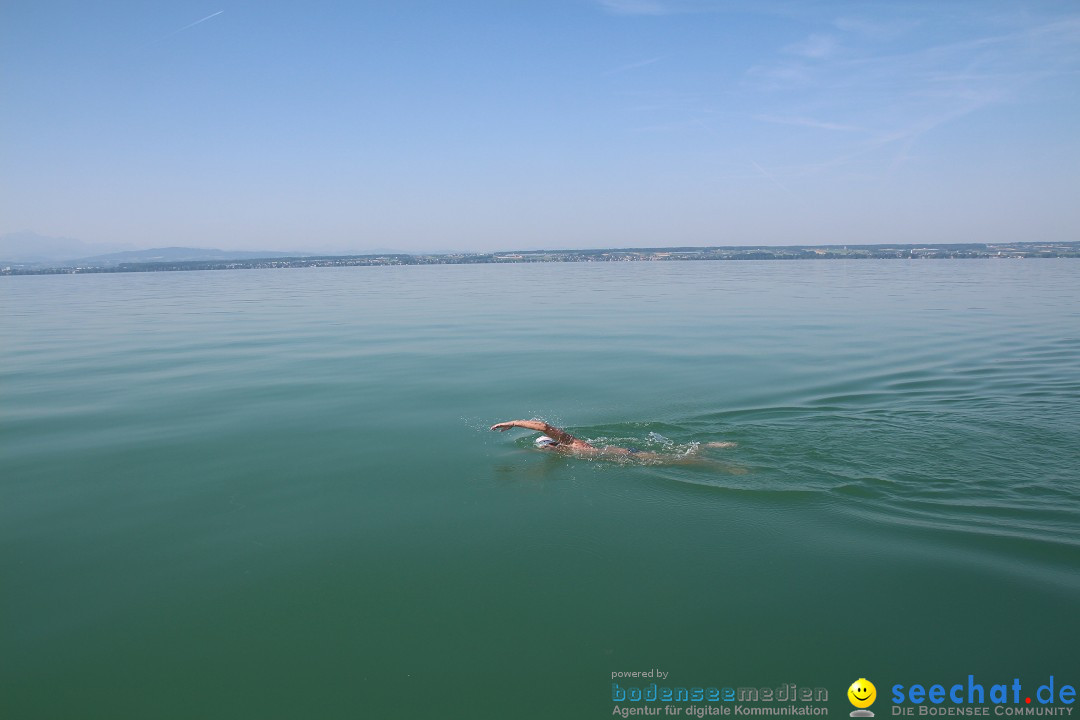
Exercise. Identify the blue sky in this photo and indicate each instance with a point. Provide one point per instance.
(337, 126)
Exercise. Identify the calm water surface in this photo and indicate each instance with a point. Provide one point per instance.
(272, 494)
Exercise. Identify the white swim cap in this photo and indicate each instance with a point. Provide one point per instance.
(544, 441)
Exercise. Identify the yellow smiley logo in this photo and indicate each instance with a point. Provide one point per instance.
(862, 693)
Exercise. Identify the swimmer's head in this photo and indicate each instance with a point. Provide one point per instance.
(544, 442)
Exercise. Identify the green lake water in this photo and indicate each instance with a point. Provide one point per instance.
(273, 494)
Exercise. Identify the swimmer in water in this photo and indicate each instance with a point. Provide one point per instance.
(559, 440)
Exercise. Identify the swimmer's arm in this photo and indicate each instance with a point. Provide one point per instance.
(560, 436)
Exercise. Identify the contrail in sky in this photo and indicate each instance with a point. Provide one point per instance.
(769, 175)
(193, 24)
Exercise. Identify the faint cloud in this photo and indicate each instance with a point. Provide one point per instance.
(809, 122)
(632, 66)
(782, 74)
(896, 99)
(634, 7)
(884, 30)
(814, 47)
(679, 7)
(673, 126)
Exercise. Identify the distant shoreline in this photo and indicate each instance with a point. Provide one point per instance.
(671, 254)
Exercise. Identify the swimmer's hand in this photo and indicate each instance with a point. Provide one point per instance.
(558, 435)
(538, 425)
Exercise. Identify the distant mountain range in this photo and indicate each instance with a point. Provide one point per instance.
(30, 249)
